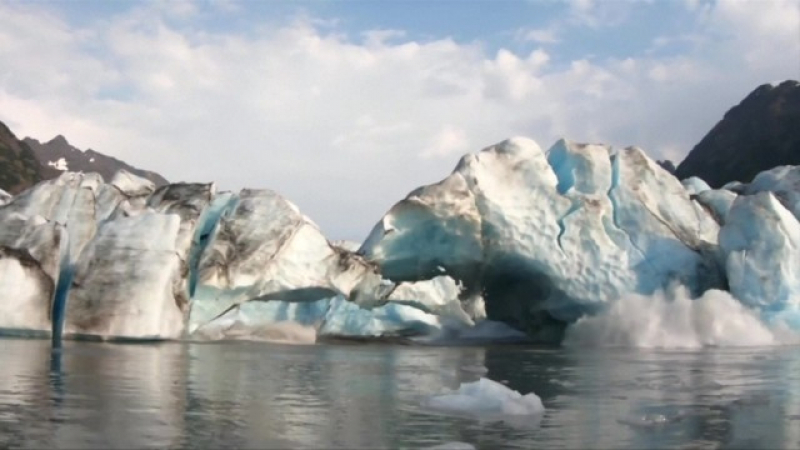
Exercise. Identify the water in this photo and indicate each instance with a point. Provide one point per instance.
(248, 395)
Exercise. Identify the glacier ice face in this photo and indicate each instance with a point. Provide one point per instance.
(263, 244)
(76, 200)
(487, 398)
(759, 244)
(30, 257)
(549, 237)
(131, 280)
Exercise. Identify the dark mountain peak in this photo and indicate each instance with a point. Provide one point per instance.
(51, 153)
(761, 132)
(58, 140)
(19, 168)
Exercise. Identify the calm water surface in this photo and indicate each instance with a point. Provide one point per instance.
(259, 395)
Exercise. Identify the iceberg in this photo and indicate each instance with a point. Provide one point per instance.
(516, 244)
(548, 237)
(484, 398)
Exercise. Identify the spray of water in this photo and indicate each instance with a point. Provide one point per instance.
(672, 319)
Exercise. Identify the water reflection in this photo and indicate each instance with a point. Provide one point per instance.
(255, 395)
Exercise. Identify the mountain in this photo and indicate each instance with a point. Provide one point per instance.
(19, 168)
(761, 132)
(58, 155)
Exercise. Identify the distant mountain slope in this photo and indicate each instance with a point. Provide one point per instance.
(762, 132)
(58, 155)
(19, 168)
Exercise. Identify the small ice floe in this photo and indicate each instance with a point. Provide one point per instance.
(486, 399)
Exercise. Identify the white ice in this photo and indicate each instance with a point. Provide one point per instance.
(486, 398)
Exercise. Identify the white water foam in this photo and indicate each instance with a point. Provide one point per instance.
(675, 320)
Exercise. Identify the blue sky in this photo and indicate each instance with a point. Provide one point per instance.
(346, 106)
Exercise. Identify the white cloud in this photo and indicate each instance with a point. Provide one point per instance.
(345, 128)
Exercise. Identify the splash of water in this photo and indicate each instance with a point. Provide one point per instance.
(672, 319)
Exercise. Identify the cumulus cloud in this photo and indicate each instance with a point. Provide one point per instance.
(344, 126)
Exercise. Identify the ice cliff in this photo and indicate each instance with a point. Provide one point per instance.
(516, 240)
(547, 237)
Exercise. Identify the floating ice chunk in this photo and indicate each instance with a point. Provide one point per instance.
(487, 398)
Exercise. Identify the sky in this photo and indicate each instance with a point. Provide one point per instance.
(344, 107)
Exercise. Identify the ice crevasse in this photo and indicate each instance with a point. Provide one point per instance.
(525, 239)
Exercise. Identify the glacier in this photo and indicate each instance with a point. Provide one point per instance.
(549, 237)
(516, 244)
